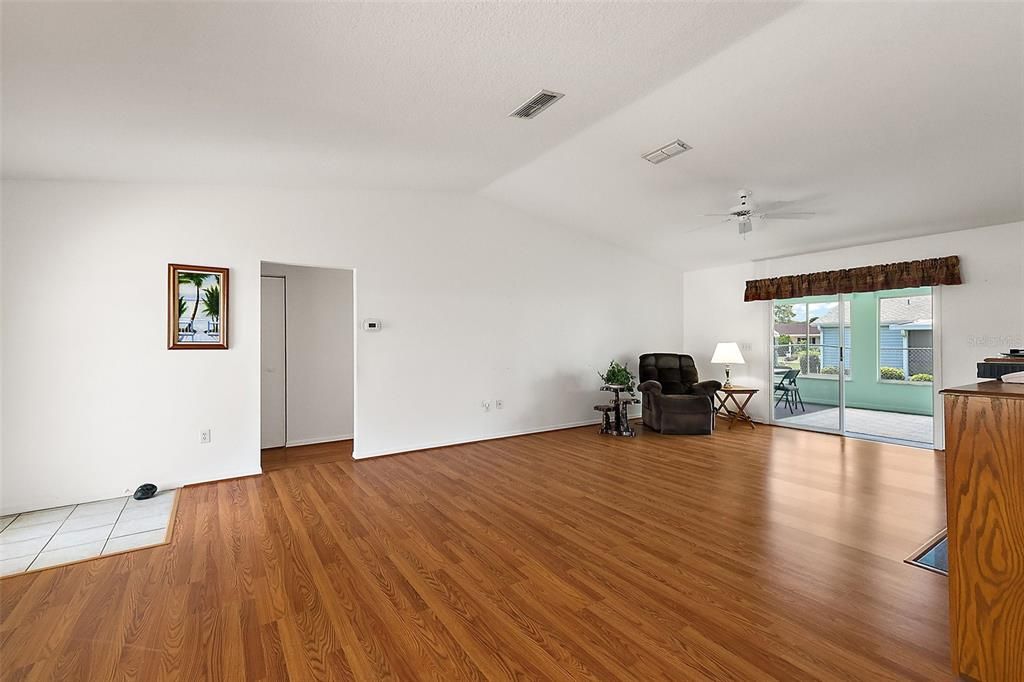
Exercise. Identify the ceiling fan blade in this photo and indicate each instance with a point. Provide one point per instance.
(707, 227)
(771, 206)
(797, 215)
(789, 205)
(717, 215)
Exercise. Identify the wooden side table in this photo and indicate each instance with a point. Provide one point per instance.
(739, 414)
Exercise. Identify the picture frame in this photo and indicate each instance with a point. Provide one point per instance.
(197, 307)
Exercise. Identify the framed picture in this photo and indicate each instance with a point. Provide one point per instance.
(197, 307)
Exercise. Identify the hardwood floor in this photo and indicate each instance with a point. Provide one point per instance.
(772, 554)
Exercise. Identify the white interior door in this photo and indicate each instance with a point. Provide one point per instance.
(272, 357)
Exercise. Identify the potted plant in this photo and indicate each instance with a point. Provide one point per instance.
(618, 376)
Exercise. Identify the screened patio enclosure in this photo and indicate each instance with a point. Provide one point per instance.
(880, 343)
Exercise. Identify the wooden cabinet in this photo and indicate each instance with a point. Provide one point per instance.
(985, 517)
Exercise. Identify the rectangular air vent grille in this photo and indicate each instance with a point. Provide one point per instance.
(674, 148)
(536, 104)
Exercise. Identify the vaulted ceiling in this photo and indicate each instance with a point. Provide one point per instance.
(885, 120)
(378, 95)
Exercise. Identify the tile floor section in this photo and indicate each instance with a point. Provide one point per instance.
(49, 537)
(894, 425)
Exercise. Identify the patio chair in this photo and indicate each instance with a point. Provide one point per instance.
(787, 389)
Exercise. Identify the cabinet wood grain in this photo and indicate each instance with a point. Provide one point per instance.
(985, 515)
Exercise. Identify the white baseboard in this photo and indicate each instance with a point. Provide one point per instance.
(111, 493)
(444, 444)
(315, 441)
(222, 476)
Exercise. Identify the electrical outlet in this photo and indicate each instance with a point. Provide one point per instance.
(499, 404)
(204, 436)
(486, 404)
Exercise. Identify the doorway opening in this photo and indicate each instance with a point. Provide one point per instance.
(307, 355)
(861, 364)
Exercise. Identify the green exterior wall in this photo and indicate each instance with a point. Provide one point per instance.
(863, 387)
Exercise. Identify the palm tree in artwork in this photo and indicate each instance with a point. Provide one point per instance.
(211, 305)
(211, 302)
(195, 279)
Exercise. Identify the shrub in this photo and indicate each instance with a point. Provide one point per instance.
(892, 373)
(830, 370)
(922, 377)
(810, 361)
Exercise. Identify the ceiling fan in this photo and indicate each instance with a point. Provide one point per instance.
(742, 212)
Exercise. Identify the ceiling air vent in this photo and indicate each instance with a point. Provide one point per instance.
(674, 148)
(536, 104)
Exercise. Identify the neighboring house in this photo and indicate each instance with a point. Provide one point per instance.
(904, 335)
(799, 332)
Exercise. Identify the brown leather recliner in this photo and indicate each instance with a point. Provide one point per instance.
(675, 401)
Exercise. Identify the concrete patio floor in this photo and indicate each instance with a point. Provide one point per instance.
(893, 425)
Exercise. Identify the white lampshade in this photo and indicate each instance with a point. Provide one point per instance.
(727, 354)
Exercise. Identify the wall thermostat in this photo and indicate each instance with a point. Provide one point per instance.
(372, 325)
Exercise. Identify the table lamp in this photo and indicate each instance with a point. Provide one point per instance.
(727, 354)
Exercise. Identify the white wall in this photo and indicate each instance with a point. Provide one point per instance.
(977, 319)
(478, 302)
(320, 375)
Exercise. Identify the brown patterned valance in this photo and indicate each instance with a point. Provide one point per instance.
(915, 273)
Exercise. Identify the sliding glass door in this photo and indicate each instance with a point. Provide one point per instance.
(857, 364)
(892, 397)
(811, 343)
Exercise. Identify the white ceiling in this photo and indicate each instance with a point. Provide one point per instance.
(379, 95)
(887, 120)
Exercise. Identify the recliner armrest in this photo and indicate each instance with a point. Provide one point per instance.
(708, 388)
(650, 385)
